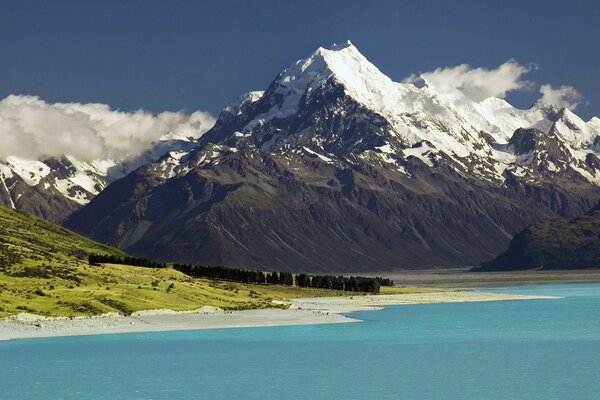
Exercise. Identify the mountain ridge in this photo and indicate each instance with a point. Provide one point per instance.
(313, 174)
(54, 187)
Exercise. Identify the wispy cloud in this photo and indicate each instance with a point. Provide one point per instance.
(476, 83)
(563, 96)
(32, 128)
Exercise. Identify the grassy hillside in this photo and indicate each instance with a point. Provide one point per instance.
(44, 270)
(28, 241)
(90, 290)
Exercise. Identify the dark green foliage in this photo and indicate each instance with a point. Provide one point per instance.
(302, 280)
(96, 259)
(348, 284)
(85, 308)
(117, 305)
(273, 278)
(8, 257)
(45, 272)
(384, 281)
(286, 278)
(227, 274)
(351, 284)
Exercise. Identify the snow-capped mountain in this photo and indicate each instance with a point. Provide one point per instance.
(414, 121)
(55, 187)
(336, 167)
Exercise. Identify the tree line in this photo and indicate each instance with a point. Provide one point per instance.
(348, 284)
(236, 274)
(96, 259)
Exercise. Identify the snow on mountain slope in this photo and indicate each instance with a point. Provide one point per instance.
(71, 180)
(91, 176)
(406, 107)
(574, 130)
(236, 106)
(464, 130)
(31, 171)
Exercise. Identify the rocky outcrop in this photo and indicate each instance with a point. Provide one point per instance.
(553, 244)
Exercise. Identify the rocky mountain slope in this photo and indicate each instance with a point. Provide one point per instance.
(334, 167)
(553, 244)
(53, 188)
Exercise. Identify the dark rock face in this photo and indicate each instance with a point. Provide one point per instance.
(54, 192)
(526, 141)
(592, 162)
(553, 244)
(254, 210)
(47, 204)
(44, 199)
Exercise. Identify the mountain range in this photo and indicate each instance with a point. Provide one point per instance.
(54, 187)
(335, 167)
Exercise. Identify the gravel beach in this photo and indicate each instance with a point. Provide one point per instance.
(323, 310)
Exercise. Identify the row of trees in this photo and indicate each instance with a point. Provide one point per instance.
(96, 259)
(236, 274)
(385, 281)
(349, 284)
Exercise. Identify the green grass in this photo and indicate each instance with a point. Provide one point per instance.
(408, 290)
(29, 241)
(126, 289)
(44, 270)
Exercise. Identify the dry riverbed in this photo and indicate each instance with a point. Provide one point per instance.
(322, 310)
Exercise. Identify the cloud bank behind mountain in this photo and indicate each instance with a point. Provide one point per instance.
(33, 129)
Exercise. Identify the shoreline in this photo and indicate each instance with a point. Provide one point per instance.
(462, 278)
(303, 311)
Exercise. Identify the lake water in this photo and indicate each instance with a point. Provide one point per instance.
(502, 350)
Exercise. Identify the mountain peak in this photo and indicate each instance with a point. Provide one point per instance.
(348, 67)
(341, 46)
(451, 121)
(338, 59)
(342, 63)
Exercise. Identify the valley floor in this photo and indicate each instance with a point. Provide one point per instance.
(321, 310)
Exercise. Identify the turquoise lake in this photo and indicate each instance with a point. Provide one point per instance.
(547, 349)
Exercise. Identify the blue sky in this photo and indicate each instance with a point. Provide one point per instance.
(175, 55)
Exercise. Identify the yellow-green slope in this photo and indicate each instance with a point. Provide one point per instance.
(29, 241)
(44, 270)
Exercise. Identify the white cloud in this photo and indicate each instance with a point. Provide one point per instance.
(31, 128)
(476, 83)
(563, 96)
